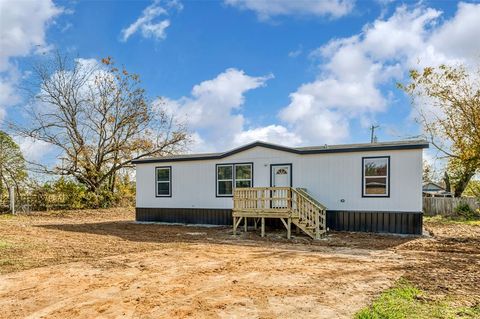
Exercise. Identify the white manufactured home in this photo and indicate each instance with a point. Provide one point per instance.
(375, 187)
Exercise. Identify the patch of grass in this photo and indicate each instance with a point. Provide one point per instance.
(452, 220)
(406, 301)
(6, 216)
(4, 245)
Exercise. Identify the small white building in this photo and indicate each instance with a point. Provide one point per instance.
(375, 187)
(431, 189)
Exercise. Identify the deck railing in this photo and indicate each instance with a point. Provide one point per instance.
(285, 202)
(309, 211)
(262, 199)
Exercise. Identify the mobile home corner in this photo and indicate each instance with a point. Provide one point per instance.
(374, 187)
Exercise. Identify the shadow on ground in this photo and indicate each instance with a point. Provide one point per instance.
(161, 233)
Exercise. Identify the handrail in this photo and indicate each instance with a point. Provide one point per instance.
(304, 192)
(309, 213)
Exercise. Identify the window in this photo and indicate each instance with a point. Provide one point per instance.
(243, 175)
(376, 176)
(163, 181)
(224, 180)
(230, 176)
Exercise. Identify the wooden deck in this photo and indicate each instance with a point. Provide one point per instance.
(290, 205)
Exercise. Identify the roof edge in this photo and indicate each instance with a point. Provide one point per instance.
(420, 144)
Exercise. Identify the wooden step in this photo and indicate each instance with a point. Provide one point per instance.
(305, 229)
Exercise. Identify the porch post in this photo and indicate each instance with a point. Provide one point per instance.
(289, 228)
(234, 226)
(263, 226)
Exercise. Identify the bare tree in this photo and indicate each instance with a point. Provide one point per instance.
(99, 117)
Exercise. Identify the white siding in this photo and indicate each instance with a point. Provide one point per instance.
(328, 177)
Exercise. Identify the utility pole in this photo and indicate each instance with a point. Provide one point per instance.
(372, 136)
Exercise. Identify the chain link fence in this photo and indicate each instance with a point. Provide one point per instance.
(38, 202)
(4, 204)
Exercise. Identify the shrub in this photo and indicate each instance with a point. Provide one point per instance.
(464, 210)
(66, 193)
(72, 193)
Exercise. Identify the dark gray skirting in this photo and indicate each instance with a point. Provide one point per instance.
(208, 216)
(376, 222)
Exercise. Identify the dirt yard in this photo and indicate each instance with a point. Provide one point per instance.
(101, 264)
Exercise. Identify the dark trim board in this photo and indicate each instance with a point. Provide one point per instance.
(386, 146)
(357, 221)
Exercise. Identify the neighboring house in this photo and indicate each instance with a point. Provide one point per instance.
(434, 190)
(373, 187)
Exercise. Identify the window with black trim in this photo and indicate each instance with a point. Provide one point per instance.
(224, 180)
(230, 176)
(376, 176)
(163, 181)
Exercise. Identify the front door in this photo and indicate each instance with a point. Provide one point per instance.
(281, 176)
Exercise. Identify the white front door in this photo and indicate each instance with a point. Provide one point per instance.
(281, 177)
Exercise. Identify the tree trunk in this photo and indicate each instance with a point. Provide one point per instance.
(462, 183)
(1, 182)
(446, 179)
(113, 182)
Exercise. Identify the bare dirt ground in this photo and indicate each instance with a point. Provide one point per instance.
(100, 264)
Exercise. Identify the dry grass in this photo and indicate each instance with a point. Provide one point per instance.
(101, 257)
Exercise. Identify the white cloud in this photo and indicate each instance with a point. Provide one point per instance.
(458, 37)
(276, 134)
(8, 93)
(353, 70)
(295, 53)
(22, 27)
(401, 35)
(148, 23)
(157, 30)
(265, 10)
(213, 113)
(33, 150)
(22, 32)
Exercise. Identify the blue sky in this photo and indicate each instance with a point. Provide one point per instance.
(293, 73)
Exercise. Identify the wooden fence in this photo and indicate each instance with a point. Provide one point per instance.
(446, 205)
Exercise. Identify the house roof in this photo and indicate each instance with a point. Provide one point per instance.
(343, 148)
(431, 186)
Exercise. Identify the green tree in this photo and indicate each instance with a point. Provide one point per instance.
(448, 102)
(473, 189)
(12, 164)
